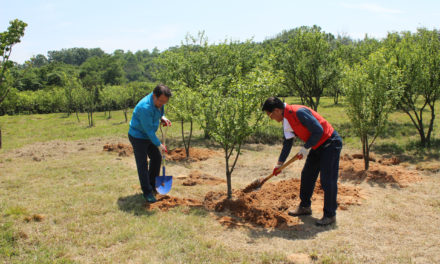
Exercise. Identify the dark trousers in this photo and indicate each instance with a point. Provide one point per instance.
(323, 160)
(142, 149)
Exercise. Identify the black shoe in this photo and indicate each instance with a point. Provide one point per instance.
(325, 221)
(300, 211)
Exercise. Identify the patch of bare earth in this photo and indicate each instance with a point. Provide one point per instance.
(195, 154)
(266, 207)
(384, 171)
(54, 149)
(177, 154)
(122, 149)
(197, 177)
(166, 202)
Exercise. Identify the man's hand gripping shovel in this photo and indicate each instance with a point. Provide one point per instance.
(164, 183)
(255, 185)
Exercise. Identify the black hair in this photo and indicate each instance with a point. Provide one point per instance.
(271, 103)
(162, 89)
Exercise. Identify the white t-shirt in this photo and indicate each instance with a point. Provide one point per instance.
(288, 131)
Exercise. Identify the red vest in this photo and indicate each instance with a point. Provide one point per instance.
(301, 131)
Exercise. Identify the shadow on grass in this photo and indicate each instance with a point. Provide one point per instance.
(134, 204)
(307, 230)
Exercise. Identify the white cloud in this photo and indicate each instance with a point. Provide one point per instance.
(372, 7)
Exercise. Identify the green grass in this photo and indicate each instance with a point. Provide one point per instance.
(21, 130)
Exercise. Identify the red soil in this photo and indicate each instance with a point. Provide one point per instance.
(384, 171)
(198, 177)
(177, 154)
(195, 154)
(266, 207)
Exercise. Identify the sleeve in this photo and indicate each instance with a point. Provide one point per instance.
(146, 119)
(285, 151)
(312, 124)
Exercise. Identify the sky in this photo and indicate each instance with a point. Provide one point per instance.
(133, 25)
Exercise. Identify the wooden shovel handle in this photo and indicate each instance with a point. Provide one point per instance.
(296, 157)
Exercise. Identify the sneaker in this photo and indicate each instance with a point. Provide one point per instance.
(150, 198)
(325, 221)
(300, 211)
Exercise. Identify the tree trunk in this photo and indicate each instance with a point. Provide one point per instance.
(228, 174)
(365, 152)
(228, 180)
(183, 139)
(431, 125)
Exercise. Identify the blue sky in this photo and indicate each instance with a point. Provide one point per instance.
(138, 25)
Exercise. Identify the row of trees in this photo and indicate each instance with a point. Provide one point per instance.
(221, 86)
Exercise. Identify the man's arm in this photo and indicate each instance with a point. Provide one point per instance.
(285, 151)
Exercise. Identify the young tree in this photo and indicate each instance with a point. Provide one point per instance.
(71, 84)
(371, 89)
(109, 98)
(79, 95)
(309, 64)
(236, 114)
(8, 39)
(91, 81)
(186, 107)
(418, 57)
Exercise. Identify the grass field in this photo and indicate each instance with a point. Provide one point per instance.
(64, 200)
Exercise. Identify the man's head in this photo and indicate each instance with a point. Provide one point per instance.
(161, 95)
(274, 108)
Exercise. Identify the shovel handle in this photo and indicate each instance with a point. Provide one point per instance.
(164, 138)
(296, 157)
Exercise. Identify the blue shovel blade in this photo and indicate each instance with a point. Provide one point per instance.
(163, 184)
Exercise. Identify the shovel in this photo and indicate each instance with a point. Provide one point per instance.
(164, 183)
(258, 183)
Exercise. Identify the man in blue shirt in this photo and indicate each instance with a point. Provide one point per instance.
(147, 115)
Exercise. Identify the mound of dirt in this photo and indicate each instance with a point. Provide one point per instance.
(177, 154)
(198, 177)
(195, 154)
(166, 202)
(385, 171)
(266, 207)
(123, 150)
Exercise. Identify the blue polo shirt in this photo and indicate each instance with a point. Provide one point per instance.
(145, 120)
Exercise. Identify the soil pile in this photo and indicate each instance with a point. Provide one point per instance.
(385, 171)
(195, 154)
(177, 154)
(266, 207)
(198, 177)
(166, 202)
(123, 150)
